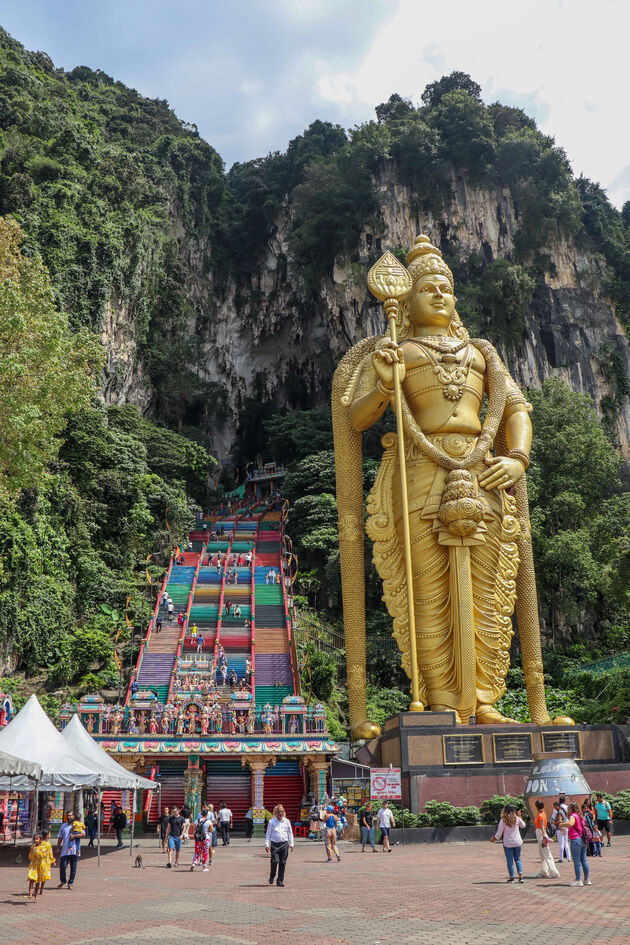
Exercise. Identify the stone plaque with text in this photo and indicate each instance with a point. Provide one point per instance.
(463, 749)
(512, 747)
(562, 741)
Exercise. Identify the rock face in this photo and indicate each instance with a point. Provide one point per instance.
(268, 341)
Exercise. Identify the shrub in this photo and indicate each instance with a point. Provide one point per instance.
(490, 809)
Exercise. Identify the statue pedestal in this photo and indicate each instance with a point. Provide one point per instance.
(465, 764)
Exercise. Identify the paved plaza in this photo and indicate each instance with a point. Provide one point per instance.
(450, 894)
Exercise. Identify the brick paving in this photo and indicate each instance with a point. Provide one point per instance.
(450, 894)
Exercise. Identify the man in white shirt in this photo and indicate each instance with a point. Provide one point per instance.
(225, 823)
(280, 837)
(385, 820)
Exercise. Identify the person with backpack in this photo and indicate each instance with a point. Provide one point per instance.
(548, 868)
(579, 837)
(204, 828)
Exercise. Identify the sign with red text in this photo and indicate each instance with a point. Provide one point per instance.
(385, 784)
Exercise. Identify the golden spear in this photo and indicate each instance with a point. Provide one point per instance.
(389, 282)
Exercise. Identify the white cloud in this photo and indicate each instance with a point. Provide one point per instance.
(564, 63)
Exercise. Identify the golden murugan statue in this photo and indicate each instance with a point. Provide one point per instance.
(455, 525)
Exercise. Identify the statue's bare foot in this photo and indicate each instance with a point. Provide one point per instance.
(488, 715)
(366, 730)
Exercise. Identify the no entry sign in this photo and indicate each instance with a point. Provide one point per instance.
(385, 784)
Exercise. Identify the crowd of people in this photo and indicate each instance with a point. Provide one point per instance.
(578, 829)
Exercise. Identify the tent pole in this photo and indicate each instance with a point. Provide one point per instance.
(159, 787)
(98, 823)
(35, 807)
(133, 819)
(17, 818)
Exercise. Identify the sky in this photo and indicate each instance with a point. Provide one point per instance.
(252, 74)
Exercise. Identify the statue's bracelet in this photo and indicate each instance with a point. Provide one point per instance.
(386, 391)
(521, 455)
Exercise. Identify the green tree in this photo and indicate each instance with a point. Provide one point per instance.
(47, 372)
(507, 292)
(455, 82)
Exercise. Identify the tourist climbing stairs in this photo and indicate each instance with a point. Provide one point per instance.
(159, 654)
(273, 675)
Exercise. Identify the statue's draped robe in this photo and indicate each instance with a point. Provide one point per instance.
(464, 588)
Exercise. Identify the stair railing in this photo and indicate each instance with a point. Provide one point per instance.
(180, 643)
(145, 643)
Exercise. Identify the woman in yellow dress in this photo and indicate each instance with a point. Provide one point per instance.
(41, 858)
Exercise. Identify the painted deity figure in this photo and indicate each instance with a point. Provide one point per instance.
(205, 720)
(117, 717)
(153, 725)
(251, 721)
(467, 514)
(267, 719)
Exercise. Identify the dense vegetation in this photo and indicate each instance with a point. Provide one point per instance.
(88, 494)
(122, 205)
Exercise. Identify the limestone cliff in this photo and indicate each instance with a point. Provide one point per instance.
(266, 341)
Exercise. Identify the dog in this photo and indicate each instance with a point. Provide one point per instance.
(139, 862)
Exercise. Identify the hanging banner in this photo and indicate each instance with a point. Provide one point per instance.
(385, 784)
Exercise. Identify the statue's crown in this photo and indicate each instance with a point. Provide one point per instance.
(424, 258)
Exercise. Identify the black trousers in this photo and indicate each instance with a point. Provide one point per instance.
(279, 856)
(249, 828)
(119, 831)
(225, 831)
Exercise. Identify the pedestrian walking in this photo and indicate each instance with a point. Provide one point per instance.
(170, 607)
(40, 859)
(249, 824)
(162, 825)
(225, 823)
(561, 827)
(69, 850)
(174, 829)
(200, 643)
(385, 820)
(548, 868)
(91, 826)
(508, 831)
(203, 841)
(278, 839)
(158, 624)
(120, 822)
(604, 814)
(367, 827)
(579, 837)
(186, 813)
(331, 823)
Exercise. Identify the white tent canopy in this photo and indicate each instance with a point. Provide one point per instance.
(11, 767)
(112, 774)
(32, 736)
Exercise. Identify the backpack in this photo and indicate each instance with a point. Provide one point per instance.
(200, 833)
(587, 833)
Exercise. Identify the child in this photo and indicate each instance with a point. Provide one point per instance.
(40, 860)
(597, 841)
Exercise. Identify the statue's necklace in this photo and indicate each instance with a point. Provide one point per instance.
(451, 373)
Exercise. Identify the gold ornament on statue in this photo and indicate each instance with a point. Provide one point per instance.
(448, 512)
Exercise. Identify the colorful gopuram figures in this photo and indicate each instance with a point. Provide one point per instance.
(218, 718)
(251, 721)
(117, 717)
(153, 724)
(205, 719)
(267, 719)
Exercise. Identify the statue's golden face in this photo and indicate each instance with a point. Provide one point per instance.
(432, 303)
